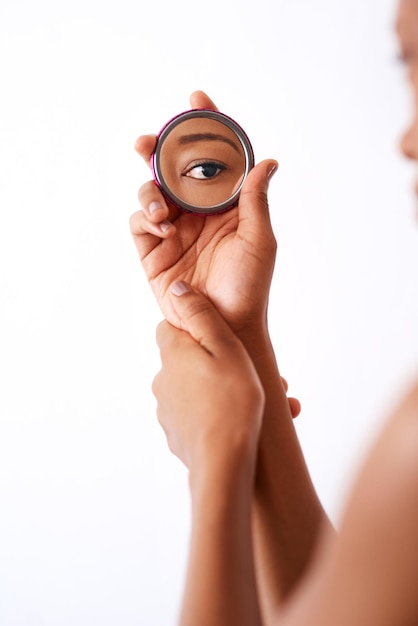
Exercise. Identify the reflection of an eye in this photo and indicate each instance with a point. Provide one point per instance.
(205, 170)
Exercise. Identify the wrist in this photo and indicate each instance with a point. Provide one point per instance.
(253, 321)
(255, 337)
(222, 467)
(245, 314)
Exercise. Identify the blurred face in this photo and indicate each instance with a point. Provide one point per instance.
(407, 28)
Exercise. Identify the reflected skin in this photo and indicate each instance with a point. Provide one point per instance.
(202, 162)
(368, 576)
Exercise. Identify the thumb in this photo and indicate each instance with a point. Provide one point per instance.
(201, 319)
(253, 210)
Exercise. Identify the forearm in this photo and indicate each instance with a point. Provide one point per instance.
(288, 518)
(220, 586)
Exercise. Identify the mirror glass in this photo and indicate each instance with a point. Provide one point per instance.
(201, 160)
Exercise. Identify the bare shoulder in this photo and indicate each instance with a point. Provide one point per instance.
(390, 474)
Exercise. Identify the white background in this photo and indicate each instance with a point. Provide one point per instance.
(94, 511)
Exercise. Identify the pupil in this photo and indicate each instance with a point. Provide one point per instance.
(209, 170)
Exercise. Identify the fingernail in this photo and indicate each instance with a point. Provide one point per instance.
(179, 288)
(164, 226)
(154, 206)
(273, 169)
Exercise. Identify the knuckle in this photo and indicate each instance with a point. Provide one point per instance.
(272, 241)
(270, 244)
(258, 195)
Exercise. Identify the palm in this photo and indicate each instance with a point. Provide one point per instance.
(210, 255)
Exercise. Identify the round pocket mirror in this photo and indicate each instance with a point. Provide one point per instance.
(201, 160)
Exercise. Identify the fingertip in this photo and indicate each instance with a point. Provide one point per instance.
(145, 145)
(261, 174)
(163, 230)
(167, 229)
(180, 287)
(200, 100)
(153, 202)
(295, 407)
(156, 211)
(267, 168)
(272, 168)
(140, 224)
(198, 92)
(285, 384)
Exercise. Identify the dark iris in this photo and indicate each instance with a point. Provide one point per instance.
(206, 170)
(209, 170)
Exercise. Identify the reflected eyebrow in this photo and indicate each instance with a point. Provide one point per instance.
(184, 139)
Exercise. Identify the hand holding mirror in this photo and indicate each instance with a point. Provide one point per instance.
(201, 160)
